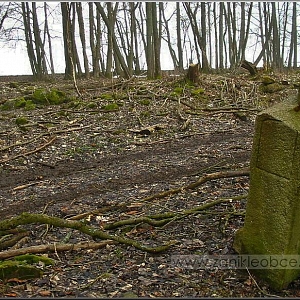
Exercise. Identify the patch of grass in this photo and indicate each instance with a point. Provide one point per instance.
(118, 131)
(18, 269)
(106, 275)
(162, 113)
(81, 150)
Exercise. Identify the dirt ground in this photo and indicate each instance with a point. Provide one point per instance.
(100, 158)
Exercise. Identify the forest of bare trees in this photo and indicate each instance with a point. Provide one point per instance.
(127, 38)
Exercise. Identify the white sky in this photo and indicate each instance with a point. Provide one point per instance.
(14, 62)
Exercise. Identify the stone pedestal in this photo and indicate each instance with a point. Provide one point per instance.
(272, 222)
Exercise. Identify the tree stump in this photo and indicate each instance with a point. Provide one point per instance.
(250, 67)
(193, 73)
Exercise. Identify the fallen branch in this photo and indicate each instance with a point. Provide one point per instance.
(44, 134)
(10, 242)
(54, 248)
(27, 218)
(164, 218)
(250, 67)
(201, 180)
(29, 152)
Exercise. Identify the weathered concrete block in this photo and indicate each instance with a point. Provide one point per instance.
(272, 222)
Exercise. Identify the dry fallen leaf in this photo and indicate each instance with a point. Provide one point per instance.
(45, 293)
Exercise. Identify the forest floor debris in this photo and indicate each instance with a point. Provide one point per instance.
(100, 157)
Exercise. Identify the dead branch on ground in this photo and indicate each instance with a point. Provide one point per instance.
(54, 248)
(164, 218)
(28, 218)
(29, 152)
(201, 180)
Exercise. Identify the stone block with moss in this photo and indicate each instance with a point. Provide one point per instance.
(272, 222)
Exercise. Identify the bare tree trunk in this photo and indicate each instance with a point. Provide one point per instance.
(277, 61)
(46, 32)
(295, 34)
(203, 46)
(150, 45)
(109, 21)
(74, 52)
(217, 54)
(293, 46)
(110, 29)
(229, 23)
(168, 36)
(95, 54)
(99, 52)
(178, 34)
(82, 38)
(221, 37)
(35, 49)
(209, 35)
(200, 40)
(284, 31)
(157, 32)
(66, 22)
(135, 48)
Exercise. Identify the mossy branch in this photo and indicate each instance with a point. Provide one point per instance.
(162, 219)
(27, 218)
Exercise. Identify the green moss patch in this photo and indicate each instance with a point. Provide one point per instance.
(33, 259)
(145, 102)
(39, 97)
(271, 88)
(178, 91)
(51, 97)
(8, 105)
(107, 96)
(21, 121)
(111, 106)
(13, 85)
(29, 105)
(18, 269)
(197, 92)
